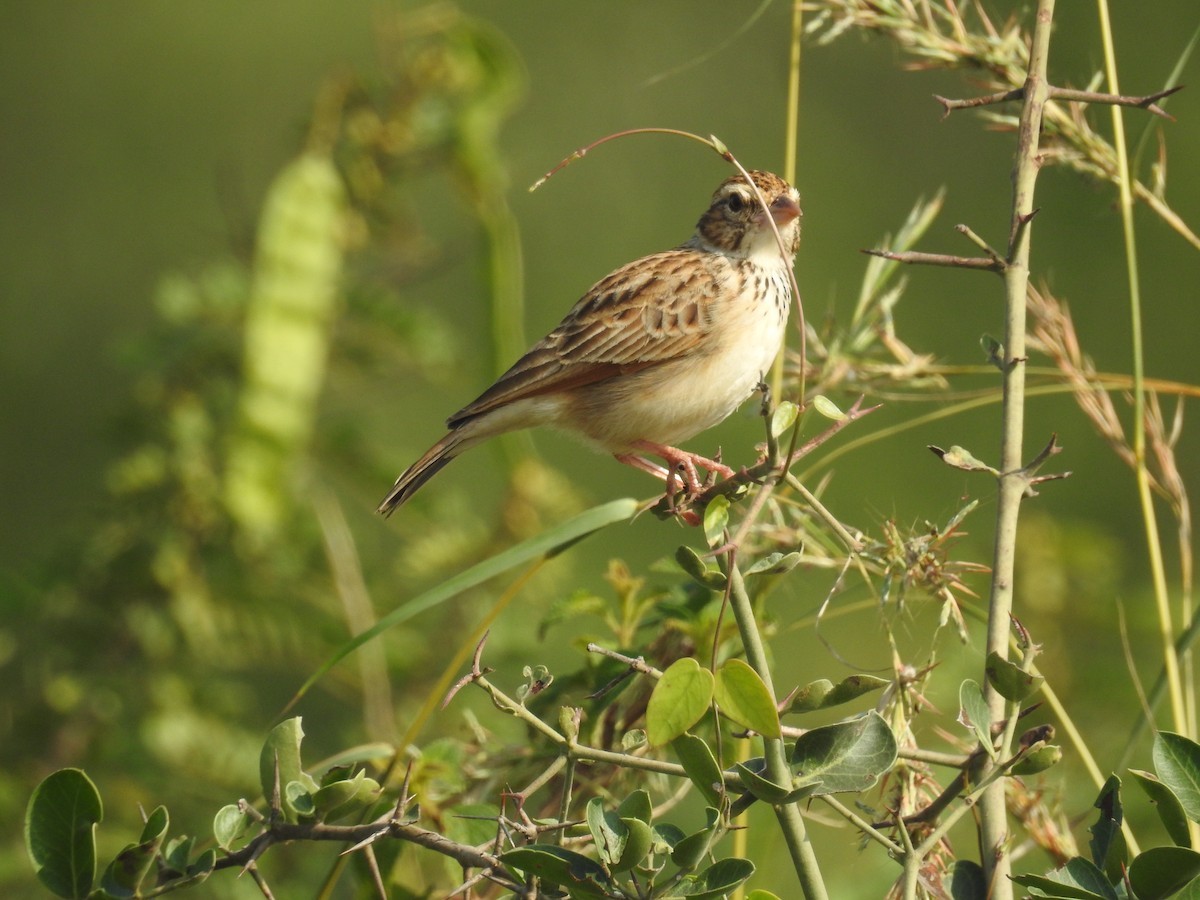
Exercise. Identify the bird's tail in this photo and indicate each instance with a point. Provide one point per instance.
(421, 471)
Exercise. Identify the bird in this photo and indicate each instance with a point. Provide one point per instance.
(654, 353)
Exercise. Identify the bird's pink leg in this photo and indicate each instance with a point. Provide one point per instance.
(688, 460)
(670, 476)
(645, 465)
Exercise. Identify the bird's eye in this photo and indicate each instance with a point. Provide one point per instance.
(736, 203)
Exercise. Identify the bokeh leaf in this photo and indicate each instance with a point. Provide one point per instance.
(60, 832)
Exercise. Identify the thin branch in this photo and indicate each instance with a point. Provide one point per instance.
(913, 257)
(1149, 102)
(283, 832)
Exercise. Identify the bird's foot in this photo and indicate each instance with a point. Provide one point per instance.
(681, 475)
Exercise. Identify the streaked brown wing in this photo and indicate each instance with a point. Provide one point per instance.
(646, 313)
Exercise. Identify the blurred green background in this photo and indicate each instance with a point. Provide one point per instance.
(139, 140)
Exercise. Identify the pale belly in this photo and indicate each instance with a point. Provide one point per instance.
(669, 403)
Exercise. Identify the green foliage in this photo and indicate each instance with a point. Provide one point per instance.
(680, 698)
(1154, 874)
(60, 832)
(226, 556)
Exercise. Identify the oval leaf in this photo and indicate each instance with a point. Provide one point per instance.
(827, 408)
(1039, 760)
(688, 852)
(340, 798)
(680, 698)
(1177, 762)
(761, 787)
(609, 833)
(975, 714)
(848, 756)
(125, 874)
(638, 841)
(783, 417)
(229, 826)
(716, 517)
(717, 880)
(584, 877)
(691, 563)
(1010, 680)
(637, 806)
(282, 747)
(700, 764)
(823, 693)
(774, 564)
(1079, 878)
(60, 832)
(743, 697)
(964, 880)
(1170, 810)
(1160, 872)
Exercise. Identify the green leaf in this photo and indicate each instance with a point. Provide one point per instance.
(774, 564)
(680, 698)
(993, 350)
(178, 852)
(689, 851)
(283, 744)
(743, 696)
(1177, 762)
(975, 711)
(1191, 892)
(229, 826)
(760, 894)
(1038, 760)
(198, 871)
(783, 417)
(716, 881)
(1170, 810)
(298, 800)
(827, 408)
(823, 693)
(1107, 845)
(699, 571)
(609, 833)
(340, 798)
(1160, 872)
(716, 517)
(961, 458)
(60, 832)
(1079, 879)
(848, 756)
(701, 767)
(546, 545)
(377, 751)
(638, 841)
(125, 874)
(666, 837)
(964, 880)
(637, 806)
(759, 785)
(583, 877)
(1010, 680)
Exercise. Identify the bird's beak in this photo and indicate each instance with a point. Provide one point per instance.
(784, 210)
